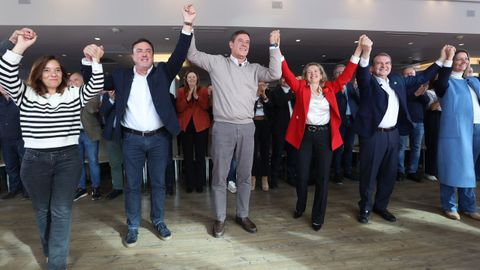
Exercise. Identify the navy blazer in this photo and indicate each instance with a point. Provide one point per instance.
(374, 100)
(353, 101)
(159, 80)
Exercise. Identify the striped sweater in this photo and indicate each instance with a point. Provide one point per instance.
(48, 121)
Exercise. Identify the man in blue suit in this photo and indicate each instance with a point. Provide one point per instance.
(146, 123)
(347, 101)
(381, 117)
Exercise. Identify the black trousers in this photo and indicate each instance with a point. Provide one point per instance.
(314, 144)
(194, 151)
(432, 125)
(278, 145)
(378, 169)
(261, 152)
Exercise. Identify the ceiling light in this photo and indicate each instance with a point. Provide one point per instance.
(410, 43)
(96, 38)
(297, 40)
(356, 41)
(461, 44)
(64, 55)
(120, 55)
(167, 38)
(324, 55)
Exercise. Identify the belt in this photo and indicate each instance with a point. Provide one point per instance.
(315, 128)
(143, 133)
(259, 118)
(386, 129)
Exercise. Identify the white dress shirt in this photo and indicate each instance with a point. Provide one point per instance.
(318, 110)
(391, 115)
(140, 113)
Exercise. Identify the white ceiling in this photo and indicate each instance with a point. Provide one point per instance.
(328, 47)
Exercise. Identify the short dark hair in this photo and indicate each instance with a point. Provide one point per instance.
(35, 77)
(239, 32)
(140, 40)
(381, 54)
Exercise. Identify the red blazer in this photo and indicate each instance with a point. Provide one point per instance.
(195, 108)
(296, 127)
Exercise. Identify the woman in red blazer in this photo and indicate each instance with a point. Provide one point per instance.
(314, 129)
(192, 105)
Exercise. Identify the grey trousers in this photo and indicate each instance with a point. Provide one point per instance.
(229, 140)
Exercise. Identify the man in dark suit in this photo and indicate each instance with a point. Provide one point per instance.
(381, 117)
(146, 122)
(282, 100)
(347, 101)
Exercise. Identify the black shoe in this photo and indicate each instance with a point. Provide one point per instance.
(11, 195)
(338, 179)
(80, 193)
(350, 176)
(218, 229)
(25, 195)
(96, 194)
(297, 214)
(113, 194)
(131, 238)
(363, 216)
(169, 191)
(246, 224)
(400, 177)
(316, 227)
(415, 177)
(385, 215)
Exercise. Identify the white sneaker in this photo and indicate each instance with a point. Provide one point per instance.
(232, 187)
(430, 177)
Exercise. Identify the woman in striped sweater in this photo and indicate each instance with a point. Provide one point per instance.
(50, 122)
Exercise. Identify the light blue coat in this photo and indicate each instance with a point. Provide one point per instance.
(456, 166)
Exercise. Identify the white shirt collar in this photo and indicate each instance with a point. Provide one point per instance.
(382, 81)
(136, 73)
(457, 75)
(235, 60)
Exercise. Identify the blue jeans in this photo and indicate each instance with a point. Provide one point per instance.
(51, 179)
(232, 173)
(136, 150)
(90, 148)
(12, 151)
(466, 199)
(416, 137)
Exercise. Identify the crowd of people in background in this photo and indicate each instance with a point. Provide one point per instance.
(303, 130)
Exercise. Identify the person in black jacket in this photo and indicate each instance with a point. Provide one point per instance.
(11, 143)
(282, 100)
(347, 100)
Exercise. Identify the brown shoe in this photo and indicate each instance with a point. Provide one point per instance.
(218, 229)
(474, 215)
(246, 224)
(265, 186)
(254, 179)
(452, 215)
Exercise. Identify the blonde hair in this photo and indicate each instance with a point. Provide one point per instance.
(320, 68)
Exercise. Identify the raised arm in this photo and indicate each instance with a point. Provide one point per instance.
(274, 70)
(363, 73)
(10, 61)
(175, 62)
(96, 82)
(441, 84)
